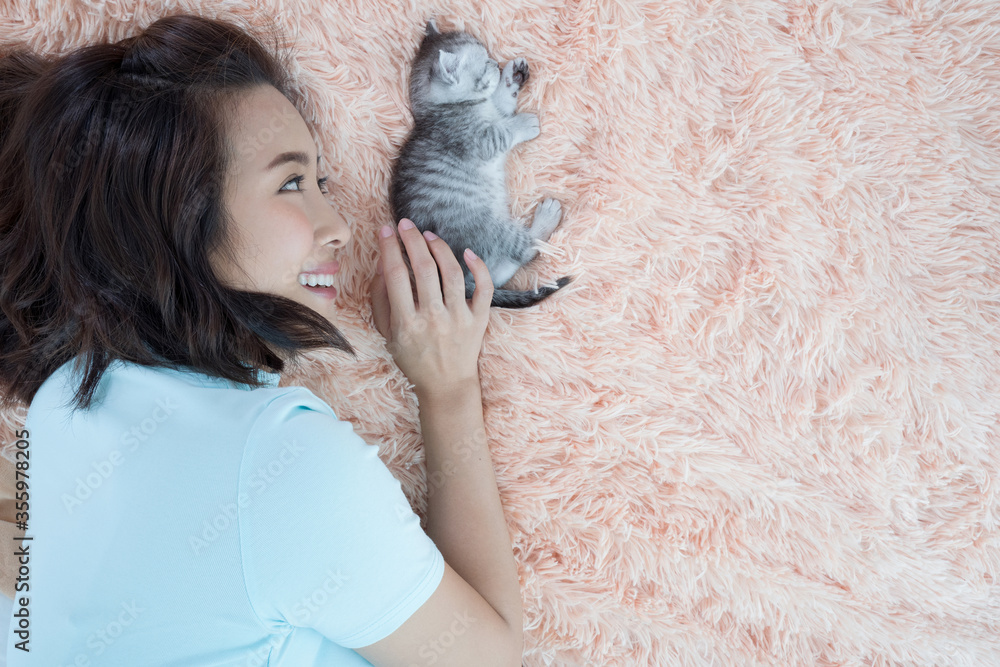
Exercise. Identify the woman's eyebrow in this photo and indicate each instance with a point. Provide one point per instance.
(290, 156)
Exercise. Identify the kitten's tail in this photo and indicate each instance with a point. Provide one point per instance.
(507, 298)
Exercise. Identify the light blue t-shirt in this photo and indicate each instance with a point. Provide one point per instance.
(189, 520)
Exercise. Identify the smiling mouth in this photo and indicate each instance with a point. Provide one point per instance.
(319, 279)
(316, 279)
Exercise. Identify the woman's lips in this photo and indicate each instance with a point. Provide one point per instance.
(330, 268)
(325, 292)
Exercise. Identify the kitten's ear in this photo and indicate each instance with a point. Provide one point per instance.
(432, 28)
(449, 66)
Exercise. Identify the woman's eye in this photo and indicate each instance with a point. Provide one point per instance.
(298, 184)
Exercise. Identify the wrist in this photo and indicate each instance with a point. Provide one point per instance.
(450, 394)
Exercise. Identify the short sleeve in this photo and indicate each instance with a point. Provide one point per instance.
(328, 540)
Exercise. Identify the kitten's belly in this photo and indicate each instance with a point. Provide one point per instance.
(494, 178)
(476, 191)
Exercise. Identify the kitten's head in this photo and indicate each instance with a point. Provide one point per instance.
(452, 67)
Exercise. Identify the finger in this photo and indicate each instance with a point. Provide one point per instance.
(425, 269)
(452, 276)
(396, 275)
(381, 311)
(482, 297)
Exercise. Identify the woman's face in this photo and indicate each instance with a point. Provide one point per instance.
(286, 231)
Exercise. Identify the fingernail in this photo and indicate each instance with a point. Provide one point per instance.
(378, 266)
(386, 231)
(406, 223)
(430, 236)
(469, 254)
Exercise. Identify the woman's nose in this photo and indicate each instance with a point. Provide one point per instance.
(334, 230)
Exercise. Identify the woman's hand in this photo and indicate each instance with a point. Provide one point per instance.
(436, 341)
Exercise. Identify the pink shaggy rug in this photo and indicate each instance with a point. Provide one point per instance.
(761, 427)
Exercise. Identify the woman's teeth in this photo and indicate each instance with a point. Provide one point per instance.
(316, 280)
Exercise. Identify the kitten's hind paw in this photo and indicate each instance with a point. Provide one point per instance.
(548, 214)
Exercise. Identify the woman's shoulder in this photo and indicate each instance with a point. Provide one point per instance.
(270, 396)
(126, 383)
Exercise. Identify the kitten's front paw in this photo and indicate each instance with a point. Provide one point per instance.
(527, 126)
(515, 74)
(519, 71)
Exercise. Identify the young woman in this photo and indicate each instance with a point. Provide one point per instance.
(164, 246)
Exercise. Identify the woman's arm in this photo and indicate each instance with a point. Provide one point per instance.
(464, 514)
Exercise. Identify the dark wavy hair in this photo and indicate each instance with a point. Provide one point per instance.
(112, 164)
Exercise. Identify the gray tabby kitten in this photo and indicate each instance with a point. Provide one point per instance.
(449, 177)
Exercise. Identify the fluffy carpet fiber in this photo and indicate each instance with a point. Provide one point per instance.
(761, 426)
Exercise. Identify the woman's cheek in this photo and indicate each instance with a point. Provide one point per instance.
(302, 235)
(290, 244)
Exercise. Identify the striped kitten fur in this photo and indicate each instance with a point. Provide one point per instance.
(449, 177)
